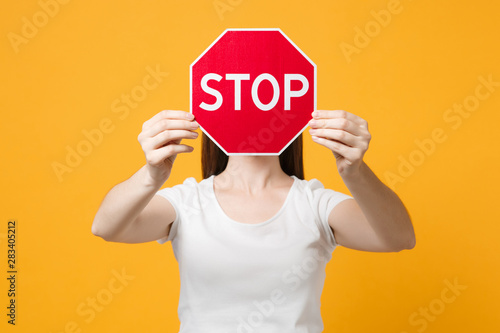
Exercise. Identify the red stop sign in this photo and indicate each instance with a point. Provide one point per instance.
(253, 91)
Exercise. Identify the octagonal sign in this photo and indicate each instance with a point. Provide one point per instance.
(253, 91)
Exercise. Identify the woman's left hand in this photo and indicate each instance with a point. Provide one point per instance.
(345, 134)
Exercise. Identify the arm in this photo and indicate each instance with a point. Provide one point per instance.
(376, 220)
(131, 212)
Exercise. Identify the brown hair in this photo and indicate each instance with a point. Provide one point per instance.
(214, 160)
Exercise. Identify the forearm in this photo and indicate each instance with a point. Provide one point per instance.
(382, 208)
(123, 204)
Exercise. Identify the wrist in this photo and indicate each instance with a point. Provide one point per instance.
(354, 173)
(152, 178)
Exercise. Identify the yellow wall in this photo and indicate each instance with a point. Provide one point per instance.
(68, 76)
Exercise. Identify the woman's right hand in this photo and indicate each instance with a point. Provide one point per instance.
(161, 141)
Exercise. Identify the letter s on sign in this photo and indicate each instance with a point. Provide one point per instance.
(211, 91)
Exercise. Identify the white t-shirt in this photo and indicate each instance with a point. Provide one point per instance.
(251, 278)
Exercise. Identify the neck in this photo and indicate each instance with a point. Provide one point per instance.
(251, 173)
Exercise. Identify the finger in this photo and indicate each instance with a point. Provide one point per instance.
(319, 114)
(159, 155)
(165, 137)
(336, 147)
(351, 154)
(168, 114)
(337, 135)
(170, 124)
(336, 123)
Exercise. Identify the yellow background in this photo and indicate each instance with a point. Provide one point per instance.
(66, 76)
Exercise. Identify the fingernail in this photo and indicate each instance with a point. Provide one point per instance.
(194, 124)
(189, 115)
(312, 123)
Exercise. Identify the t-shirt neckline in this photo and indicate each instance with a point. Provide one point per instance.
(278, 213)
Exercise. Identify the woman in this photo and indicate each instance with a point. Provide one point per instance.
(253, 237)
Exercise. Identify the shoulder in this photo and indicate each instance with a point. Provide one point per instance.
(189, 187)
(188, 199)
(318, 196)
(313, 205)
(189, 183)
(312, 187)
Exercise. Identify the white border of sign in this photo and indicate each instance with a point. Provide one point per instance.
(208, 48)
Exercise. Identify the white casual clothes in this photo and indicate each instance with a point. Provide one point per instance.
(251, 278)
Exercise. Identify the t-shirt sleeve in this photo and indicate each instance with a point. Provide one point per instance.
(178, 196)
(323, 201)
